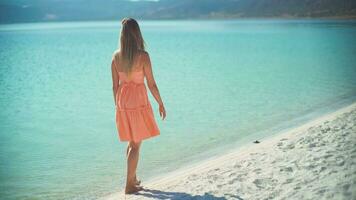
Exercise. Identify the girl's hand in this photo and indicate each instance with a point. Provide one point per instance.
(162, 111)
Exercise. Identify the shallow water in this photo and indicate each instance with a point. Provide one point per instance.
(223, 84)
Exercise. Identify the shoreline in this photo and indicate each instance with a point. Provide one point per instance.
(334, 18)
(163, 184)
(315, 114)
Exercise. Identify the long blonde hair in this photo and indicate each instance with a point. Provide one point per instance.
(131, 42)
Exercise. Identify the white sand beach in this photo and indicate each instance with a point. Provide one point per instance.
(314, 161)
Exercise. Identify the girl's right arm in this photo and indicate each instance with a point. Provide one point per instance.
(151, 83)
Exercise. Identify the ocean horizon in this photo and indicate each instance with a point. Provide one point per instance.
(225, 83)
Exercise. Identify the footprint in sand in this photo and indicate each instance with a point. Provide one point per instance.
(322, 169)
(291, 146)
(257, 171)
(232, 174)
(289, 180)
(346, 187)
(316, 158)
(340, 161)
(237, 166)
(296, 187)
(286, 169)
(280, 144)
(262, 183)
(214, 177)
(312, 145)
(232, 181)
(309, 166)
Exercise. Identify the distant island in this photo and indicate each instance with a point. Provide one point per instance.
(16, 11)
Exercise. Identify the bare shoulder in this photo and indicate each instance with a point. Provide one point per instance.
(116, 53)
(143, 53)
(145, 56)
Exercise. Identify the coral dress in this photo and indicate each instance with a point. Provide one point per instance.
(134, 116)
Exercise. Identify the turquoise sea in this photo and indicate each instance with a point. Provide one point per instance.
(224, 83)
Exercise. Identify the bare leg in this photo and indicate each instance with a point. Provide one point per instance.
(132, 161)
(137, 182)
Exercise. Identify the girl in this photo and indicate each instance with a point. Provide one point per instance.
(134, 116)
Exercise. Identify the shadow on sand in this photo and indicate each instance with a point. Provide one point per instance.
(158, 194)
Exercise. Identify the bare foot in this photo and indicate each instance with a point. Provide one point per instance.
(137, 182)
(133, 189)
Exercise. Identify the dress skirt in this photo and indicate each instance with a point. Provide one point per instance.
(134, 115)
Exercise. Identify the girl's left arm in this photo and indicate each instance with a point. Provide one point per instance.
(115, 80)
